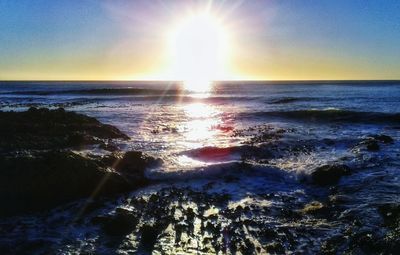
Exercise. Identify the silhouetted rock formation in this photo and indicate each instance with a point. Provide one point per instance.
(37, 171)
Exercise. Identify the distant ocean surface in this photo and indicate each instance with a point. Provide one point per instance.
(165, 119)
(150, 111)
(282, 130)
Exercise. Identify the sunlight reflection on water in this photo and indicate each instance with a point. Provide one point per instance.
(187, 126)
(195, 125)
(199, 87)
(201, 118)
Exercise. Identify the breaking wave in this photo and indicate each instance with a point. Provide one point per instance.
(330, 115)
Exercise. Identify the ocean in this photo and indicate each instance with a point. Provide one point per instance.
(256, 142)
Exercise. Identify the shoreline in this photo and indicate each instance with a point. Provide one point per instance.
(250, 206)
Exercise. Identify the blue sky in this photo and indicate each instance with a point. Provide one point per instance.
(297, 39)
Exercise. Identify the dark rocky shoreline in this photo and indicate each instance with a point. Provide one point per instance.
(40, 167)
(44, 173)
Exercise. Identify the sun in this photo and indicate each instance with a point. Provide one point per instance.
(199, 51)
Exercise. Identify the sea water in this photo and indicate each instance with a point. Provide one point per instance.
(280, 131)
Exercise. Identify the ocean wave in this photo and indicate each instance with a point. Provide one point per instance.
(329, 115)
(324, 99)
(286, 100)
(223, 171)
(101, 91)
(211, 153)
(137, 93)
(191, 98)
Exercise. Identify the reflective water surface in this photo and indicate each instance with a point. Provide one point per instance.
(237, 172)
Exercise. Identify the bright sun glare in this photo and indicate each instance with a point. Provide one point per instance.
(199, 46)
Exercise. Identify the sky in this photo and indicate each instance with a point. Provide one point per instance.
(131, 40)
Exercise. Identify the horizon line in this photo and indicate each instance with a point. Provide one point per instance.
(233, 80)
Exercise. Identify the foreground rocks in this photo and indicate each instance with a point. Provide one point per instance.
(47, 179)
(248, 210)
(373, 142)
(52, 129)
(181, 221)
(120, 224)
(38, 171)
(329, 174)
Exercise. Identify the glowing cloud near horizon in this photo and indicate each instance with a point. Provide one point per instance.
(199, 47)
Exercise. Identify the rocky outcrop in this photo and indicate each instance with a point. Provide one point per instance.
(383, 138)
(38, 171)
(329, 174)
(121, 223)
(133, 163)
(42, 129)
(390, 214)
(46, 179)
(373, 142)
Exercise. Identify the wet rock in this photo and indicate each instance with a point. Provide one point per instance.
(268, 233)
(190, 215)
(329, 174)
(149, 234)
(390, 213)
(120, 224)
(338, 199)
(371, 145)
(134, 163)
(28, 247)
(383, 138)
(41, 180)
(331, 245)
(180, 227)
(51, 129)
(108, 146)
(314, 208)
(110, 160)
(289, 214)
(212, 228)
(367, 242)
(246, 247)
(275, 248)
(263, 161)
(46, 179)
